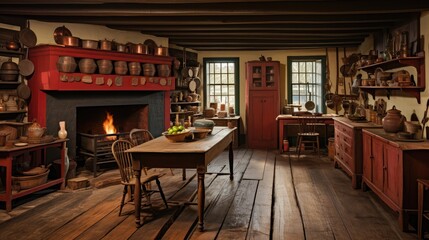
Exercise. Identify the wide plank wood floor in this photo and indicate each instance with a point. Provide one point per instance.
(272, 196)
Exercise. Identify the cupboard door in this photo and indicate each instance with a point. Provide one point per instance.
(255, 128)
(269, 122)
(262, 124)
(367, 156)
(391, 172)
(377, 163)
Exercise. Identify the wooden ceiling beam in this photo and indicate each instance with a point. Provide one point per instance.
(270, 44)
(235, 20)
(191, 38)
(259, 48)
(255, 27)
(217, 9)
(296, 32)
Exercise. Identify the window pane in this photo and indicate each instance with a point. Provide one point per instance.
(224, 78)
(217, 68)
(306, 70)
(221, 83)
(294, 67)
(231, 90)
(231, 68)
(231, 79)
(217, 79)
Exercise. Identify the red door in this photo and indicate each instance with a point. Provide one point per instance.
(262, 120)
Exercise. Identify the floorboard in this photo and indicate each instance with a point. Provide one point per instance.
(272, 196)
(260, 224)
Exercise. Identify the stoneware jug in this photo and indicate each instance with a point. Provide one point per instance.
(393, 122)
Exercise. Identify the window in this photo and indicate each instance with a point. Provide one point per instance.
(222, 82)
(306, 78)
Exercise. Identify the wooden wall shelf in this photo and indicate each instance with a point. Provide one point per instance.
(414, 91)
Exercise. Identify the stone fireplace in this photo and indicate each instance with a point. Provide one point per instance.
(83, 112)
(82, 99)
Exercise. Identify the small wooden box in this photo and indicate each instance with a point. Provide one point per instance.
(77, 183)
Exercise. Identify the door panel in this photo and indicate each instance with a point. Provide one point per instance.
(377, 163)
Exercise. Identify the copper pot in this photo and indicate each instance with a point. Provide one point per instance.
(12, 45)
(105, 66)
(135, 68)
(71, 41)
(161, 51)
(9, 65)
(87, 65)
(121, 47)
(121, 67)
(66, 64)
(149, 70)
(139, 48)
(87, 43)
(393, 122)
(163, 70)
(105, 45)
(9, 75)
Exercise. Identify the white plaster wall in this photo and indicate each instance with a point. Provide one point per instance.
(277, 55)
(404, 103)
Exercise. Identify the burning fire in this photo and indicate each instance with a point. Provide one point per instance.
(108, 126)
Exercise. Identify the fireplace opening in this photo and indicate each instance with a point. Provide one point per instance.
(99, 126)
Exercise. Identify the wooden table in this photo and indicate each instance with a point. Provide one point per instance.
(287, 119)
(39, 152)
(161, 153)
(230, 122)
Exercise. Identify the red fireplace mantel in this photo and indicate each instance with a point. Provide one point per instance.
(46, 76)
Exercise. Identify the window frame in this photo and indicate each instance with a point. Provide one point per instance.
(291, 59)
(236, 62)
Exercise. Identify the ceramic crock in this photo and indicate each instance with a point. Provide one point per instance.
(393, 122)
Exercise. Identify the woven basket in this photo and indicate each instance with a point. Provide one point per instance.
(26, 182)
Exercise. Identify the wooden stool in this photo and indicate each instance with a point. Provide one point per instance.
(423, 185)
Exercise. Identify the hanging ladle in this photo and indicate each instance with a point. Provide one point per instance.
(309, 105)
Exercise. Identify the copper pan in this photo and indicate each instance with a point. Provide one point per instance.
(27, 37)
(71, 41)
(59, 32)
(161, 51)
(139, 48)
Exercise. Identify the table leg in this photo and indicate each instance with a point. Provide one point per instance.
(137, 196)
(8, 184)
(281, 135)
(231, 162)
(201, 197)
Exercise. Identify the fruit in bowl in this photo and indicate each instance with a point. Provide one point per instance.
(177, 133)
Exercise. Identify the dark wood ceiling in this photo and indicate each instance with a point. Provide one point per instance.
(231, 25)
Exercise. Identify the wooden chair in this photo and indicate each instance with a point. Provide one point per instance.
(125, 165)
(307, 133)
(139, 136)
(423, 214)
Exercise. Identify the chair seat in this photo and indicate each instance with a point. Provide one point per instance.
(125, 160)
(143, 179)
(309, 134)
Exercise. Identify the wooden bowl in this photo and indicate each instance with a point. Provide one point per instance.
(200, 133)
(179, 137)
